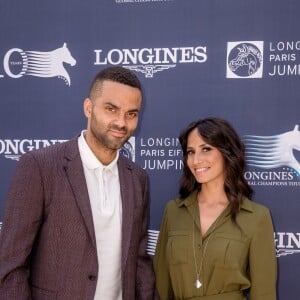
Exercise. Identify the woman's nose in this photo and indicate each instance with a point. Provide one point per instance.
(198, 158)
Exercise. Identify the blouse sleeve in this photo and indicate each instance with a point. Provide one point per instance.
(262, 260)
(163, 282)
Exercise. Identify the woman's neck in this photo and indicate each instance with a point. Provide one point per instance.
(212, 194)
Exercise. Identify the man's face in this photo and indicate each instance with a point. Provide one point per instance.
(113, 114)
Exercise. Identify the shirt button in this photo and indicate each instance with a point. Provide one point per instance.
(92, 277)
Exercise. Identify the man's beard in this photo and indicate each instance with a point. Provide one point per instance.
(110, 143)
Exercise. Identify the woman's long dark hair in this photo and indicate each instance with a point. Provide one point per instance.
(220, 134)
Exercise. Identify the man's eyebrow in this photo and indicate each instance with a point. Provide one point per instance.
(115, 106)
(134, 110)
(110, 103)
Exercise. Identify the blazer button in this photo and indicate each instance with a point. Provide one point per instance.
(92, 277)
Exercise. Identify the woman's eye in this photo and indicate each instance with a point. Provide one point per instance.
(189, 152)
(206, 149)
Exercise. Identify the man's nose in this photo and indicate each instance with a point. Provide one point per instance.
(121, 120)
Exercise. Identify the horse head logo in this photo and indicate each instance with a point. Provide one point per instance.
(41, 64)
(50, 64)
(128, 149)
(247, 61)
(273, 151)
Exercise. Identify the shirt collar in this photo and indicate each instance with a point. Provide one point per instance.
(246, 204)
(90, 160)
(189, 200)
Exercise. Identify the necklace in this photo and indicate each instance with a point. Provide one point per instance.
(198, 283)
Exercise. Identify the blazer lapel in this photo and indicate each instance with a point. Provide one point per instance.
(127, 206)
(74, 171)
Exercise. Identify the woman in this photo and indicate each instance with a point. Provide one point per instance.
(215, 243)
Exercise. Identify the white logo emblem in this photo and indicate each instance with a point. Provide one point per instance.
(287, 243)
(149, 70)
(152, 241)
(245, 59)
(13, 149)
(128, 149)
(18, 63)
(275, 151)
(151, 60)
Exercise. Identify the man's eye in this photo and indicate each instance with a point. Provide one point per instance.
(112, 109)
(132, 115)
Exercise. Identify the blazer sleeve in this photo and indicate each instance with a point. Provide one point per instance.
(262, 260)
(163, 282)
(145, 284)
(22, 219)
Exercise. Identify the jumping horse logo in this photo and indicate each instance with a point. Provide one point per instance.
(128, 149)
(268, 152)
(41, 64)
(245, 60)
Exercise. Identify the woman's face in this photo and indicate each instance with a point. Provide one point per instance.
(204, 161)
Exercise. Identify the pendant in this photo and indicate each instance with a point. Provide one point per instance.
(198, 284)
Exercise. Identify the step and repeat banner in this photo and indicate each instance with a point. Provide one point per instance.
(239, 60)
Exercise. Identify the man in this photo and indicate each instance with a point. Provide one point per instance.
(75, 225)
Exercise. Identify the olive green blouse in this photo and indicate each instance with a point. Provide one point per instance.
(235, 259)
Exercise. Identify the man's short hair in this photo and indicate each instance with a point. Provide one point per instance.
(115, 74)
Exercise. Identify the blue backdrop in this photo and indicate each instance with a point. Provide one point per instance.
(238, 60)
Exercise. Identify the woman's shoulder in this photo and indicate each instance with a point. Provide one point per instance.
(255, 218)
(179, 204)
(255, 208)
(173, 203)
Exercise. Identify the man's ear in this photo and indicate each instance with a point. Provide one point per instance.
(87, 107)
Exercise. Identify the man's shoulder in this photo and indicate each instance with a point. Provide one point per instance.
(58, 149)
